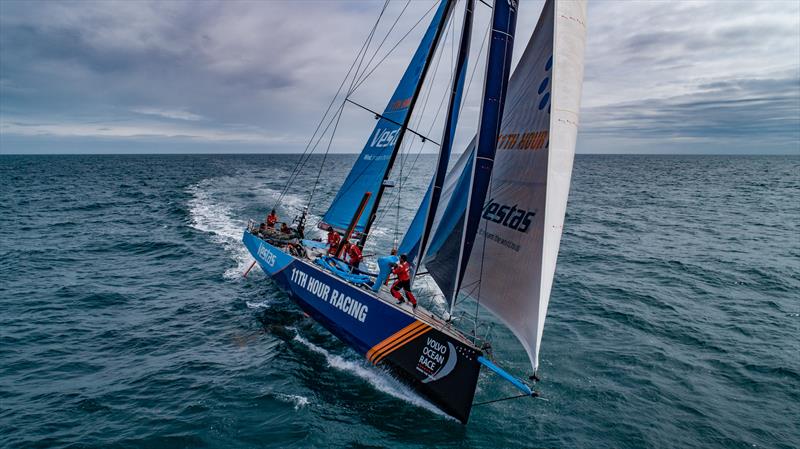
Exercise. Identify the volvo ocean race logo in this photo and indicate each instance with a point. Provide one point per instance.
(436, 360)
(266, 254)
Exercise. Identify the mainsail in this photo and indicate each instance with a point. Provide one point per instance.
(369, 171)
(511, 266)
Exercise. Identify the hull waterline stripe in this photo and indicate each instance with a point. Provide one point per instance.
(400, 343)
(411, 327)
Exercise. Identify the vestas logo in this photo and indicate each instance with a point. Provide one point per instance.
(511, 217)
(436, 360)
(384, 138)
(266, 254)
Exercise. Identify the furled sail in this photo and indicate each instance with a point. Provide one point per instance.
(418, 232)
(375, 160)
(510, 269)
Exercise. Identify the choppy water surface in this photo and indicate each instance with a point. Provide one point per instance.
(125, 321)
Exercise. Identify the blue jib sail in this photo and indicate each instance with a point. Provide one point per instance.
(368, 171)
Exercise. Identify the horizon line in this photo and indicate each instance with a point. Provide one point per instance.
(357, 153)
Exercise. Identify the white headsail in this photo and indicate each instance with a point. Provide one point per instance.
(511, 267)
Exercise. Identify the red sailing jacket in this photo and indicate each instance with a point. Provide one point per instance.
(355, 254)
(402, 270)
(333, 238)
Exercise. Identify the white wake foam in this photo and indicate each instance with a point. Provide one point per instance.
(258, 305)
(382, 381)
(297, 400)
(211, 216)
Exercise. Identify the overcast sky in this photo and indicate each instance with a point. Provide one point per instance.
(256, 76)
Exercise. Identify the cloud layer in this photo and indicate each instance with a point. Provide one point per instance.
(141, 76)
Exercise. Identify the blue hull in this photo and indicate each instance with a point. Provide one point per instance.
(436, 363)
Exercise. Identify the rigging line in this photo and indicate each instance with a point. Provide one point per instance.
(385, 38)
(364, 78)
(534, 395)
(463, 103)
(430, 91)
(336, 116)
(301, 163)
(377, 115)
(506, 55)
(353, 89)
(364, 55)
(451, 32)
(396, 197)
(475, 68)
(324, 158)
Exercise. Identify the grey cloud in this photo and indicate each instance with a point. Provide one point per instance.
(709, 72)
(750, 114)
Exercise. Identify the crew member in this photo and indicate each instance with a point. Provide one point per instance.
(403, 272)
(285, 229)
(272, 218)
(355, 255)
(333, 241)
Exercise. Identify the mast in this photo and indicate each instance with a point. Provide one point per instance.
(498, 67)
(413, 101)
(449, 131)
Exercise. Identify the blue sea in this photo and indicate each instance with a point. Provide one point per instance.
(126, 323)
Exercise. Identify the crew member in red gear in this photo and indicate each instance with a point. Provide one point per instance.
(272, 218)
(355, 255)
(403, 272)
(333, 241)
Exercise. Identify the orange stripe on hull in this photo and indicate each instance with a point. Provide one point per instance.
(410, 328)
(400, 343)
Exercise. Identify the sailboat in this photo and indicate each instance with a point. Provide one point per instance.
(488, 229)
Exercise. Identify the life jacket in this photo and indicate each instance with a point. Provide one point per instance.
(402, 270)
(271, 220)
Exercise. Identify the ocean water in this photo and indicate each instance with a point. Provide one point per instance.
(125, 321)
